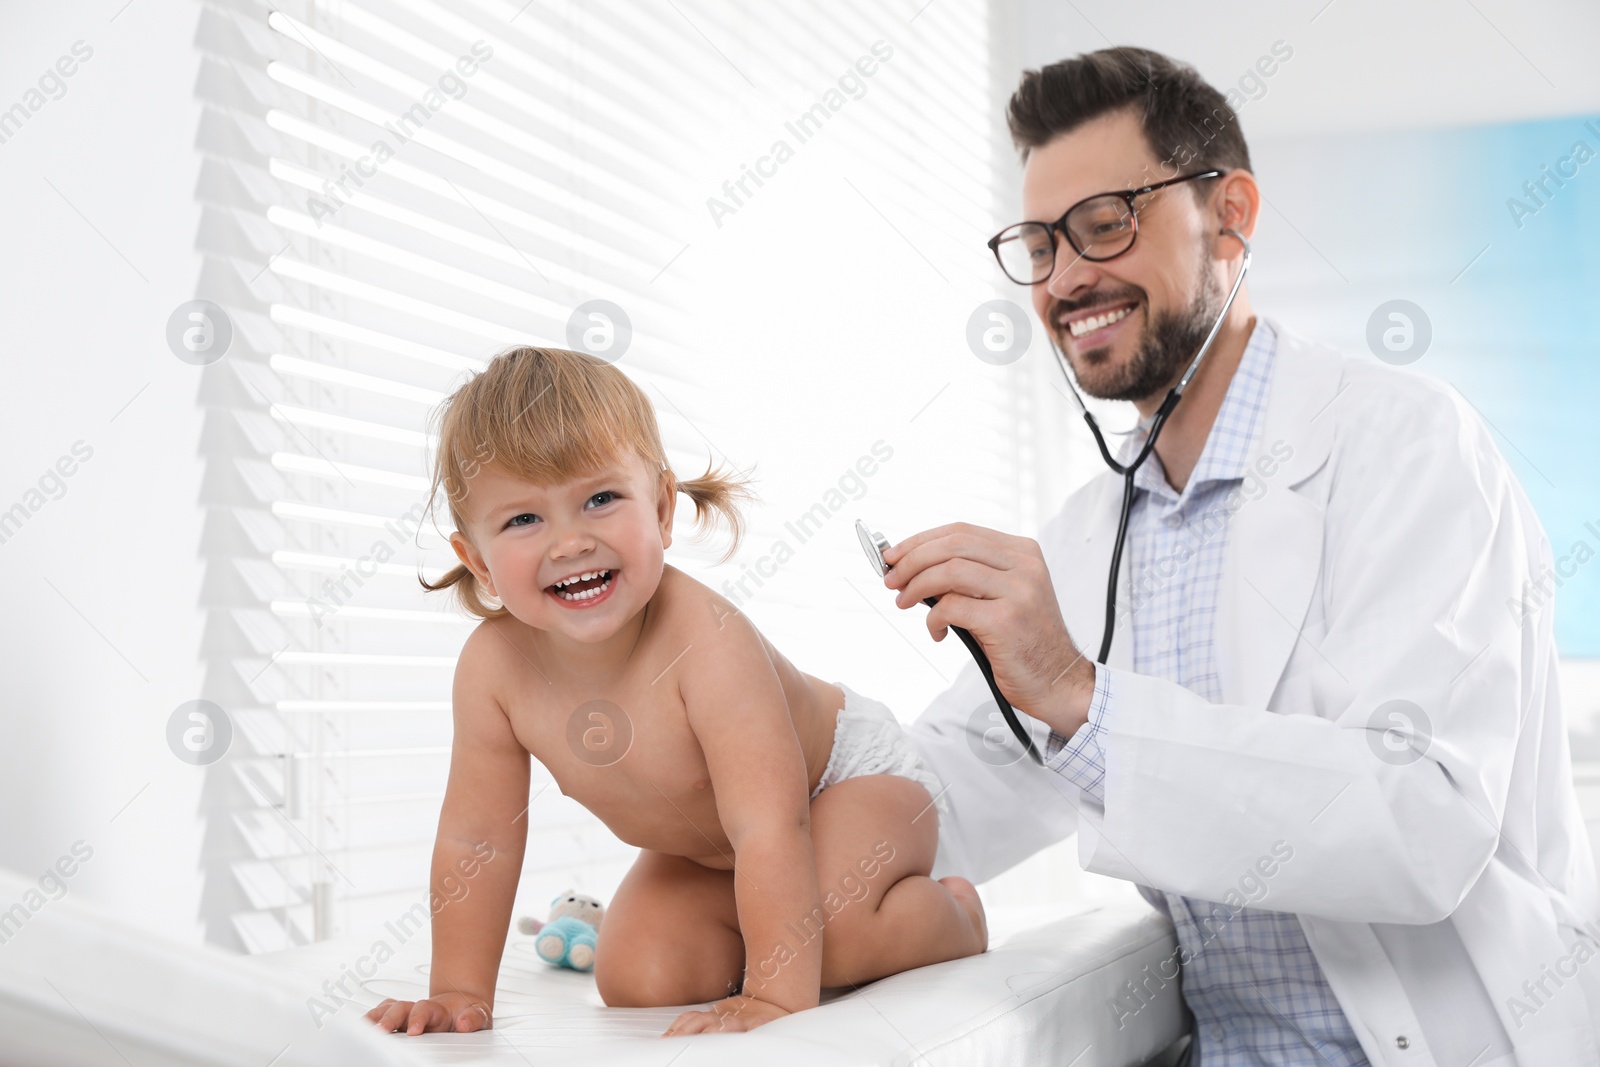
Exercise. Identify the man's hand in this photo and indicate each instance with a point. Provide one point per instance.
(728, 1015)
(441, 1014)
(997, 588)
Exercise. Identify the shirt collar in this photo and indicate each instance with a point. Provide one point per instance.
(1228, 444)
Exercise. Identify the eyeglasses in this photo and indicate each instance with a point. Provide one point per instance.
(1098, 228)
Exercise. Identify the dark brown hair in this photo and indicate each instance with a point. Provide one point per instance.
(1188, 124)
(550, 415)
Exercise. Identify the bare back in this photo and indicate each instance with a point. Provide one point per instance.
(625, 750)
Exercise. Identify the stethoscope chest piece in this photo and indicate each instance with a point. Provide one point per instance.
(874, 545)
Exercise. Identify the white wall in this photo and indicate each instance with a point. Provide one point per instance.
(1358, 64)
(99, 248)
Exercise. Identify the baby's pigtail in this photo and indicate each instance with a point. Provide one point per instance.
(719, 496)
(468, 593)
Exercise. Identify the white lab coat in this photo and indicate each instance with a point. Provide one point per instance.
(1379, 563)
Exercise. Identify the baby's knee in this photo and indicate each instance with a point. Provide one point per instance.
(849, 943)
(845, 958)
(647, 981)
(628, 983)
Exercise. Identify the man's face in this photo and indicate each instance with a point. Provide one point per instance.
(1165, 282)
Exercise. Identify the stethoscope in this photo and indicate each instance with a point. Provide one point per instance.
(874, 544)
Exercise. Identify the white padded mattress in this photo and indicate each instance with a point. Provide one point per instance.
(80, 988)
(1042, 994)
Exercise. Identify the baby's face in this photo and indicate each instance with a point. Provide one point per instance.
(526, 538)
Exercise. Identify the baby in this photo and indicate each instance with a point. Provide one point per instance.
(786, 825)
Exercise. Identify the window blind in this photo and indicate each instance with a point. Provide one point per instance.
(392, 191)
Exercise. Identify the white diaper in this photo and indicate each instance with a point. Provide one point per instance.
(870, 740)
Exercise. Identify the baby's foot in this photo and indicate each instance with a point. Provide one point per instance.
(966, 895)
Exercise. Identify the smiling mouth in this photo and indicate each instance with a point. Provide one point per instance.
(1092, 323)
(584, 587)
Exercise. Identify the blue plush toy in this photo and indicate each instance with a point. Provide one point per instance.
(568, 939)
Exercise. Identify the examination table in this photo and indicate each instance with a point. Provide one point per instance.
(78, 987)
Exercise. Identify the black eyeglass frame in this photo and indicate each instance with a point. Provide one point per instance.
(1060, 225)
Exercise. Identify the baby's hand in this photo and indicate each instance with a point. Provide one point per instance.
(441, 1014)
(729, 1015)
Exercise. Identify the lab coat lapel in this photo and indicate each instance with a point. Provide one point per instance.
(1274, 548)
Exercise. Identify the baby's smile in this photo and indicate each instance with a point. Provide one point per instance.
(584, 589)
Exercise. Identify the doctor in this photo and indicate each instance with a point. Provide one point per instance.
(1324, 743)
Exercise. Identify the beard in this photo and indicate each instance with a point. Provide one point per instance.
(1167, 345)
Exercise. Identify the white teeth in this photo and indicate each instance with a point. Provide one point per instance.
(585, 576)
(1097, 322)
(587, 594)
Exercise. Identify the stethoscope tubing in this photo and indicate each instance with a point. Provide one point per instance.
(1159, 420)
(994, 687)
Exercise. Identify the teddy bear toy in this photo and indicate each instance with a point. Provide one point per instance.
(568, 938)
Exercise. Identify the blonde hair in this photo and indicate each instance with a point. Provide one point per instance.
(549, 415)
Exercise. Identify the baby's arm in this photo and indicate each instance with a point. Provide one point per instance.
(477, 856)
(738, 711)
